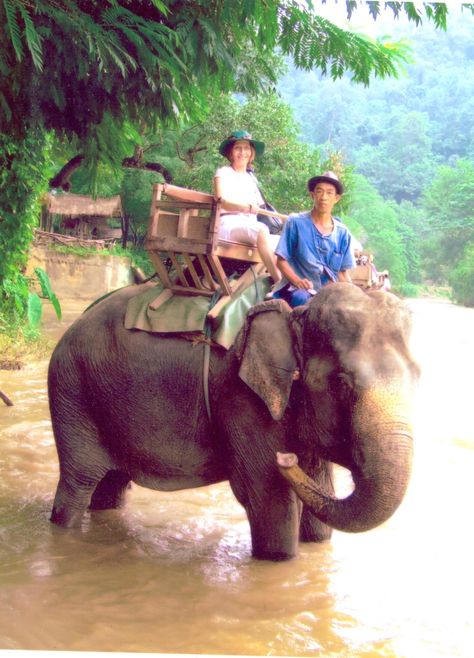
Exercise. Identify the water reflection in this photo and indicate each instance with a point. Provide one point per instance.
(172, 571)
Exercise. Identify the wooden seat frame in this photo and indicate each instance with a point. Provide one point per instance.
(184, 227)
(364, 277)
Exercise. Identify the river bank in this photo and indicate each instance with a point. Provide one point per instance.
(73, 277)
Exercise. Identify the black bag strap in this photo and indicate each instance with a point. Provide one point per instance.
(255, 180)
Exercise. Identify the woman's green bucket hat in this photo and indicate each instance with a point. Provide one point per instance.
(237, 136)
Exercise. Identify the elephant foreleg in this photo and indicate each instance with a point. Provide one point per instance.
(311, 528)
(274, 516)
(274, 531)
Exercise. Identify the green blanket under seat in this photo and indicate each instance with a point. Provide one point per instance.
(183, 314)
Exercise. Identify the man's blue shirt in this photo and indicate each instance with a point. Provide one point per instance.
(312, 255)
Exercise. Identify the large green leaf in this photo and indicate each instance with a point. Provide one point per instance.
(56, 306)
(34, 310)
(47, 290)
(44, 282)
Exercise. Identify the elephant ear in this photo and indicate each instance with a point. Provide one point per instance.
(264, 348)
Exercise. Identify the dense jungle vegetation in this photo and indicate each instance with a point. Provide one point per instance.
(404, 147)
(410, 142)
(148, 90)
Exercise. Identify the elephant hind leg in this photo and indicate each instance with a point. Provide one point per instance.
(83, 464)
(73, 495)
(111, 491)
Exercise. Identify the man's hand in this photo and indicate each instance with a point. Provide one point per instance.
(288, 272)
(302, 284)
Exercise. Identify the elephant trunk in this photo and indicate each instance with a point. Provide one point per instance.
(381, 467)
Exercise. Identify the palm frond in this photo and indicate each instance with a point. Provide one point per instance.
(14, 29)
(33, 38)
(315, 42)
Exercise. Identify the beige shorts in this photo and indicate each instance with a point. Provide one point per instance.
(241, 228)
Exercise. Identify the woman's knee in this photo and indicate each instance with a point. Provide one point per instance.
(263, 234)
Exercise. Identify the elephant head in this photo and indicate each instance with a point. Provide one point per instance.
(343, 364)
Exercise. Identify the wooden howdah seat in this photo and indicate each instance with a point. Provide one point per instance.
(184, 227)
(363, 275)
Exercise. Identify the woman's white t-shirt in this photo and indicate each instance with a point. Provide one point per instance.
(239, 187)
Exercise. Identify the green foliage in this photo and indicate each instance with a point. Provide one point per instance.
(436, 86)
(334, 50)
(408, 289)
(435, 11)
(14, 300)
(461, 278)
(23, 179)
(404, 149)
(139, 62)
(34, 310)
(448, 204)
(381, 228)
(136, 193)
(138, 258)
(411, 220)
(47, 291)
(25, 304)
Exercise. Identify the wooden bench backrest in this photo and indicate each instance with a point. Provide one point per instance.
(184, 194)
(184, 228)
(170, 226)
(361, 275)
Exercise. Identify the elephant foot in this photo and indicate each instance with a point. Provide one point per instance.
(70, 503)
(66, 518)
(274, 556)
(276, 541)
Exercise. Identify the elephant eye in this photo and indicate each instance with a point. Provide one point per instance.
(345, 384)
(345, 380)
(318, 373)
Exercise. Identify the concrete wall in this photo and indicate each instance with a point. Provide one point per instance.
(84, 277)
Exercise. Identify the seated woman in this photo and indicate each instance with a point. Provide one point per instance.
(240, 198)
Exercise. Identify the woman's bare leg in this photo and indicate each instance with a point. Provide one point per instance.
(268, 256)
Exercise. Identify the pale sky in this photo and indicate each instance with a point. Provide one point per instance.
(361, 21)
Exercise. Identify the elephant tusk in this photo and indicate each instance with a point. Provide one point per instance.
(305, 488)
(286, 459)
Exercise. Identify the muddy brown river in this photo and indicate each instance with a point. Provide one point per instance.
(172, 572)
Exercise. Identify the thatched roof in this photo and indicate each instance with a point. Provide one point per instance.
(78, 204)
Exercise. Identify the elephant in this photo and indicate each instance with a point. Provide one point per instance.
(300, 390)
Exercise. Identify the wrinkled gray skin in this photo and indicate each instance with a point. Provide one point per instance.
(330, 382)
